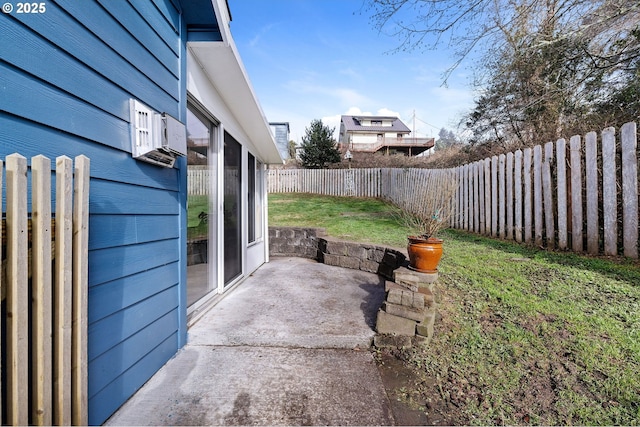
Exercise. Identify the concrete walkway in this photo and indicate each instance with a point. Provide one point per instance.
(289, 346)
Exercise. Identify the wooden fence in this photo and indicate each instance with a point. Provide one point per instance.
(198, 180)
(44, 285)
(579, 196)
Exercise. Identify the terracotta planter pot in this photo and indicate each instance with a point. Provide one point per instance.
(424, 254)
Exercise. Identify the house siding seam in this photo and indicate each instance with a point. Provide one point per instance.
(80, 63)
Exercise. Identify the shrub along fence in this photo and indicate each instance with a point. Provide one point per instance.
(580, 195)
(44, 316)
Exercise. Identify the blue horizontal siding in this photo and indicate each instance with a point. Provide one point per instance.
(164, 27)
(144, 34)
(68, 34)
(95, 18)
(107, 231)
(109, 332)
(120, 358)
(110, 398)
(166, 8)
(34, 55)
(56, 109)
(31, 139)
(111, 297)
(115, 197)
(110, 264)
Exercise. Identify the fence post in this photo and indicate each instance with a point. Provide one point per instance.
(80, 291)
(41, 291)
(629, 190)
(17, 292)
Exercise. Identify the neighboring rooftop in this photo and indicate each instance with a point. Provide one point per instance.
(355, 123)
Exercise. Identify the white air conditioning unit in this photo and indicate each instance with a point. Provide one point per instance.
(156, 138)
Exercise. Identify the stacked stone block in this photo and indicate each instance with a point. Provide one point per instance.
(295, 241)
(360, 256)
(409, 311)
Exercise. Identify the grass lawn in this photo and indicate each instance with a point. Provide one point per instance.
(524, 336)
(196, 227)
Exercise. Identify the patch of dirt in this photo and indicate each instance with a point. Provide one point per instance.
(415, 400)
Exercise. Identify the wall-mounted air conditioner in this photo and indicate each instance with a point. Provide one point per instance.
(156, 138)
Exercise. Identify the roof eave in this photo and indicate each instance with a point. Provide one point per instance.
(223, 66)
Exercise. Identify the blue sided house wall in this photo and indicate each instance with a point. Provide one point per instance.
(66, 79)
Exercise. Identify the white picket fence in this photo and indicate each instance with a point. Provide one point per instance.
(579, 196)
(48, 320)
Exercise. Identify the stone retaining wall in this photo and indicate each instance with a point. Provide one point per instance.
(315, 244)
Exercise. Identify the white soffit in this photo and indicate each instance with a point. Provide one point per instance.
(221, 62)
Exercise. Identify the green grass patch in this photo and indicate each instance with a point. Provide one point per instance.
(348, 218)
(196, 226)
(524, 336)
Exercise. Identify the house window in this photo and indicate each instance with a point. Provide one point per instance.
(380, 137)
(254, 188)
(376, 122)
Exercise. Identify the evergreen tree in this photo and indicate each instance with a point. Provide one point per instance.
(318, 147)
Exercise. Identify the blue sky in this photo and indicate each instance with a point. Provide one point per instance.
(319, 59)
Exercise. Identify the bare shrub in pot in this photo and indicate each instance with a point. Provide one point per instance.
(425, 211)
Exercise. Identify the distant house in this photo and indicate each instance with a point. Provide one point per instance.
(281, 133)
(379, 133)
(73, 79)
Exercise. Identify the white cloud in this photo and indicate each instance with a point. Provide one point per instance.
(264, 30)
(350, 72)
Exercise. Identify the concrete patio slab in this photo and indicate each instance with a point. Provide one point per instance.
(287, 347)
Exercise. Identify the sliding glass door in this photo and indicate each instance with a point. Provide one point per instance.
(201, 218)
(232, 209)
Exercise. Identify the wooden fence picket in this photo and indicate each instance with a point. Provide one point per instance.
(17, 295)
(517, 183)
(528, 190)
(41, 319)
(502, 194)
(547, 189)
(591, 178)
(509, 195)
(38, 318)
(561, 186)
(537, 195)
(609, 192)
(62, 292)
(629, 146)
(575, 145)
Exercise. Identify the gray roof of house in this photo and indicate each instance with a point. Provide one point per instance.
(352, 123)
